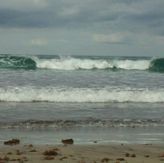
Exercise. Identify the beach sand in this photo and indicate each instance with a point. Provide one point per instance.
(122, 153)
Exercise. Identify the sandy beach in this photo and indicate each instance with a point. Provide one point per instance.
(122, 153)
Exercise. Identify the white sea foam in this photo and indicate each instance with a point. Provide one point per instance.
(131, 64)
(31, 94)
(76, 63)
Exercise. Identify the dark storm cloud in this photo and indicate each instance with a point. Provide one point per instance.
(15, 18)
(120, 14)
(52, 18)
(151, 20)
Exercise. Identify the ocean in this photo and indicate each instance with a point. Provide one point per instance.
(44, 99)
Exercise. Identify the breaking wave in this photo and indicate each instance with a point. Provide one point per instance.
(157, 65)
(70, 63)
(88, 64)
(54, 94)
(16, 62)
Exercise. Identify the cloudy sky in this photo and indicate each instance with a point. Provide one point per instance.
(82, 27)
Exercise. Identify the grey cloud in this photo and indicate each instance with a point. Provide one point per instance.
(13, 18)
(105, 15)
(50, 16)
(151, 21)
(92, 11)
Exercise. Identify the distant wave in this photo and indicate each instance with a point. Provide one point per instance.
(89, 122)
(70, 63)
(55, 94)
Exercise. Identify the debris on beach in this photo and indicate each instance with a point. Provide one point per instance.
(20, 160)
(130, 155)
(105, 160)
(133, 155)
(147, 156)
(67, 141)
(127, 154)
(33, 150)
(12, 142)
(50, 153)
(120, 159)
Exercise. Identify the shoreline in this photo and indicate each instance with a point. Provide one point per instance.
(113, 153)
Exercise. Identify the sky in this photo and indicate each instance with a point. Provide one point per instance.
(82, 27)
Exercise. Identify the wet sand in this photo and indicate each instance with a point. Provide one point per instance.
(122, 153)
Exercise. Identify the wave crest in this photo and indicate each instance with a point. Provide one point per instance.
(88, 64)
(70, 63)
(53, 94)
(17, 62)
(157, 65)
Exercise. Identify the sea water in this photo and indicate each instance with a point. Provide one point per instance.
(44, 99)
